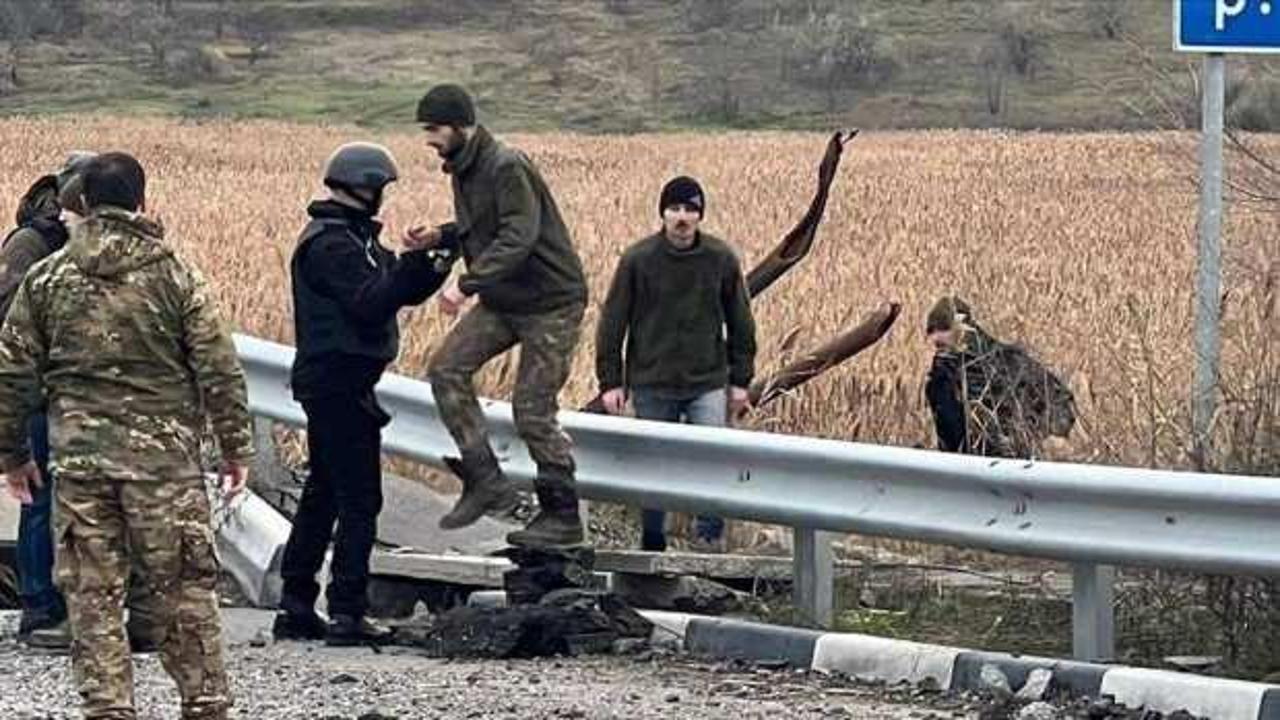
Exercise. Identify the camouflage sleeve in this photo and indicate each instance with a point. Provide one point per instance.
(217, 369)
(22, 349)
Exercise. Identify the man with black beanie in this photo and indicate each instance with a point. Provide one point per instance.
(522, 266)
(676, 333)
(347, 290)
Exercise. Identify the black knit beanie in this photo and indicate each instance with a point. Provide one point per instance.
(447, 105)
(683, 190)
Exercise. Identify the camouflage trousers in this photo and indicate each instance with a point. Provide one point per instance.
(162, 530)
(547, 342)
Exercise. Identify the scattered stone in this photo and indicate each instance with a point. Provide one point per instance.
(343, 679)
(672, 698)
(1101, 708)
(1038, 711)
(630, 646)
(566, 622)
(261, 639)
(993, 680)
(1037, 685)
(689, 594)
(540, 571)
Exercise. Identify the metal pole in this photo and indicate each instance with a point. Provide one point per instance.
(1209, 257)
(1093, 622)
(814, 575)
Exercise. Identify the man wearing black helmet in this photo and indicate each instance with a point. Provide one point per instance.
(347, 289)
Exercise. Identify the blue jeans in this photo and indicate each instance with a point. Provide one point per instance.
(35, 533)
(710, 408)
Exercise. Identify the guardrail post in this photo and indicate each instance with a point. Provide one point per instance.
(268, 476)
(814, 575)
(1093, 622)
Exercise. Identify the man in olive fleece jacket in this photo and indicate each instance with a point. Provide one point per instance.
(680, 303)
(522, 265)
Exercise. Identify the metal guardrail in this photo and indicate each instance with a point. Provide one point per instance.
(1092, 516)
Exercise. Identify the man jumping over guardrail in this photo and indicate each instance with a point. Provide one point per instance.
(522, 266)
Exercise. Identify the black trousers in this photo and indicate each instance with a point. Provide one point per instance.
(344, 488)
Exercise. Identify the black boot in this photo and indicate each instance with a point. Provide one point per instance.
(354, 630)
(485, 490)
(34, 620)
(557, 522)
(299, 621)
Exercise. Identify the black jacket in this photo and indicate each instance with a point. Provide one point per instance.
(347, 289)
(39, 234)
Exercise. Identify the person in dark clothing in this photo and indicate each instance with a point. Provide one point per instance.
(676, 334)
(522, 266)
(989, 397)
(40, 232)
(347, 290)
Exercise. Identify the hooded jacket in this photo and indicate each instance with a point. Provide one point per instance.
(39, 233)
(121, 338)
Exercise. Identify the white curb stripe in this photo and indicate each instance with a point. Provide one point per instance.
(892, 661)
(1216, 698)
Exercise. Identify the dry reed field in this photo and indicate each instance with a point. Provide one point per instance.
(1081, 246)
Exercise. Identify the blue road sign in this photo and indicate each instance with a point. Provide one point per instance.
(1226, 26)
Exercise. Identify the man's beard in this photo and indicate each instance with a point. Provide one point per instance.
(451, 149)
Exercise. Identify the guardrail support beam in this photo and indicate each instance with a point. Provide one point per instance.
(267, 475)
(1093, 622)
(814, 575)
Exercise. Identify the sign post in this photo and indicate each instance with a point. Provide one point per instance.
(1215, 27)
(1209, 258)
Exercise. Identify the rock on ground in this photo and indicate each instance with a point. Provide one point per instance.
(294, 681)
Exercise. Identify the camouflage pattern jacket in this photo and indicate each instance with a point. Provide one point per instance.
(122, 340)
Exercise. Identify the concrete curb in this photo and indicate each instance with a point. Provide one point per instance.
(251, 545)
(875, 658)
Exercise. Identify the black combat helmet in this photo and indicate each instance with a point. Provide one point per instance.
(361, 166)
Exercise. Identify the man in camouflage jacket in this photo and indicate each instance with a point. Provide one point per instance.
(121, 340)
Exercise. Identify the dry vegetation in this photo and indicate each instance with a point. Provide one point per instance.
(1083, 246)
(1080, 245)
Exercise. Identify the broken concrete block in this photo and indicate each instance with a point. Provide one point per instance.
(1037, 685)
(993, 680)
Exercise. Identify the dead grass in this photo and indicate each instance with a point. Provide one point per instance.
(1082, 246)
